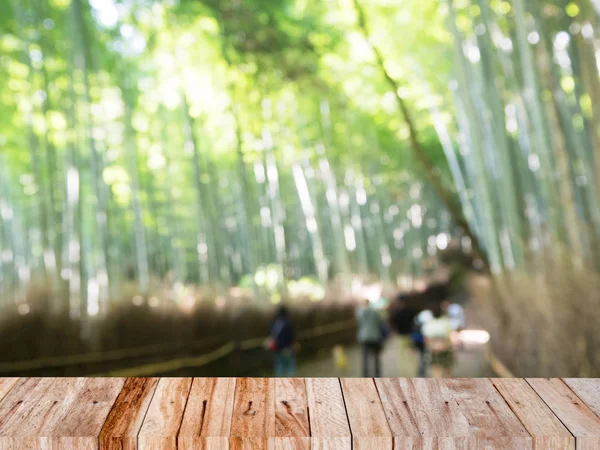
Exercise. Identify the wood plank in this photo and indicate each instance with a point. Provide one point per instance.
(588, 390)
(547, 431)
(86, 416)
(292, 429)
(286, 414)
(9, 406)
(127, 414)
(39, 412)
(422, 413)
(207, 419)
(42, 411)
(163, 419)
(6, 384)
(366, 415)
(15, 397)
(253, 421)
(492, 424)
(571, 410)
(328, 420)
(400, 413)
(46, 443)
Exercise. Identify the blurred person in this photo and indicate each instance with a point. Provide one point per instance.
(418, 340)
(372, 332)
(402, 319)
(283, 343)
(438, 342)
(456, 314)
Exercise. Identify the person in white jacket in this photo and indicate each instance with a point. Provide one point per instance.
(440, 350)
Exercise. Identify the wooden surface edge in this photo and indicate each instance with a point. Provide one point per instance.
(305, 413)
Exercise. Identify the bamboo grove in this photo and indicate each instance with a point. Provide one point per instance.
(258, 143)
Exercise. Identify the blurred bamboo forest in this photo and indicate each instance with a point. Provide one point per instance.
(259, 144)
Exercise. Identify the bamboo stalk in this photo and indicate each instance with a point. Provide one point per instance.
(416, 145)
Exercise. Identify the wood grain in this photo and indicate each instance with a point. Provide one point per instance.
(46, 443)
(84, 420)
(292, 429)
(422, 413)
(38, 415)
(400, 414)
(163, 419)
(207, 419)
(15, 398)
(127, 414)
(492, 424)
(41, 411)
(328, 420)
(298, 414)
(253, 420)
(9, 406)
(6, 384)
(587, 390)
(571, 410)
(366, 415)
(547, 431)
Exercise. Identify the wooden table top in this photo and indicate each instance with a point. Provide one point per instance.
(296, 413)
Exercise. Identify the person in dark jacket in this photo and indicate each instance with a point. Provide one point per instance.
(419, 340)
(283, 339)
(404, 316)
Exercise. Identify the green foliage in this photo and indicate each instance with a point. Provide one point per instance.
(203, 140)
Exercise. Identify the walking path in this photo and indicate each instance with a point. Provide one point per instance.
(398, 360)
